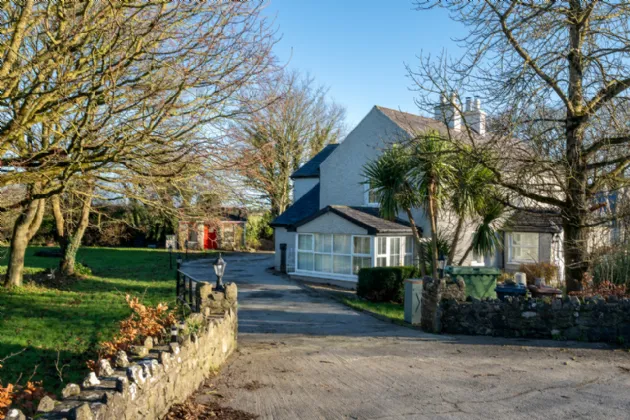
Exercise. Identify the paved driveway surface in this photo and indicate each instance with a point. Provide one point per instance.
(304, 356)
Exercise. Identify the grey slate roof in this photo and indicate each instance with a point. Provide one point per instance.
(411, 123)
(534, 220)
(306, 206)
(365, 217)
(417, 124)
(311, 168)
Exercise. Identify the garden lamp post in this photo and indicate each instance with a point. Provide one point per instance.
(219, 269)
(441, 265)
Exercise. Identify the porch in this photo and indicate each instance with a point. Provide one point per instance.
(336, 242)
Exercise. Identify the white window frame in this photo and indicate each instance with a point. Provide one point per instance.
(368, 255)
(511, 259)
(403, 250)
(297, 248)
(366, 196)
(413, 246)
(332, 274)
(385, 255)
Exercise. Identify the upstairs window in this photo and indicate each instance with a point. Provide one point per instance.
(370, 196)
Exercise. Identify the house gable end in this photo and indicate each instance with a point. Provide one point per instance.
(341, 174)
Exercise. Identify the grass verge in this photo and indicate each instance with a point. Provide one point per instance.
(56, 330)
(392, 311)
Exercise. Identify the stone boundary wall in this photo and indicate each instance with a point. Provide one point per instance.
(590, 319)
(145, 383)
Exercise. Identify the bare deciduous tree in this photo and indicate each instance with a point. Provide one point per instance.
(555, 77)
(104, 88)
(278, 139)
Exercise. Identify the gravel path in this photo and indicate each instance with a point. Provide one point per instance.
(304, 356)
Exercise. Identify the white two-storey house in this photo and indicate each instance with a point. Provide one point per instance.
(333, 228)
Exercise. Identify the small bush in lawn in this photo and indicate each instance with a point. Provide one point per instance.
(82, 270)
(384, 284)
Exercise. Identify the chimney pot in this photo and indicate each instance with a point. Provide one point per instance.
(468, 103)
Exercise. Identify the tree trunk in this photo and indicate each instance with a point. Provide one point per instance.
(470, 247)
(73, 241)
(433, 220)
(574, 214)
(26, 226)
(575, 248)
(419, 244)
(456, 235)
(60, 233)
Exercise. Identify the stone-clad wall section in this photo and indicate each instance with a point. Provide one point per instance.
(145, 385)
(592, 319)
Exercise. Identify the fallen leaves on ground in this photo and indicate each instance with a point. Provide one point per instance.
(191, 410)
(253, 386)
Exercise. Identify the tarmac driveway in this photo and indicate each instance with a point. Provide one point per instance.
(304, 356)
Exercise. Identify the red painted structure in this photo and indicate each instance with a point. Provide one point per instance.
(210, 238)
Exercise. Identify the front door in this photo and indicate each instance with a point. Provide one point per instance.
(210, 238)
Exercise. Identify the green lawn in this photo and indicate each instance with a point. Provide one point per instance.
(393, 311)
(67, 324)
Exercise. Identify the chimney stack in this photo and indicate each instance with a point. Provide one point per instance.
(475, 117)
(448, 112)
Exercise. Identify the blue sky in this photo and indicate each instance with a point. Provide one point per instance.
(358, 48)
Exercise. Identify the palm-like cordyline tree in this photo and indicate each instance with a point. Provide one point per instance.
(391, 178)
(486, 239)
(432, 160)
(470, 191)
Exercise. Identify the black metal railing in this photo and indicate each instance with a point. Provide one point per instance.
(185, 290)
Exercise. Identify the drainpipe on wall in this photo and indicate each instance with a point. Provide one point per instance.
(283, 258)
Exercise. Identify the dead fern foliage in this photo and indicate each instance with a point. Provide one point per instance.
(6, 397)
(603, 289)
(25, 397)
(144, 321)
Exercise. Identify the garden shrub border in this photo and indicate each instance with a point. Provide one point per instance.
(384, 284)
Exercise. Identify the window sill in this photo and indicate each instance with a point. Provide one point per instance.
(515, 262)
(319, 274)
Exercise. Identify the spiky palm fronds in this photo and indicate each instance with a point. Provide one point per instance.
(486, 239)
(433, 167)
(389, 178)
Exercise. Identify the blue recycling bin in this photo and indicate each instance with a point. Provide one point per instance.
(504, 290)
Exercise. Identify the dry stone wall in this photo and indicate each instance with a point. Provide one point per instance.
(145, 382)
(591, 319)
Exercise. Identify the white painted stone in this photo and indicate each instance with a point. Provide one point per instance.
(133, 391)
(91, 380)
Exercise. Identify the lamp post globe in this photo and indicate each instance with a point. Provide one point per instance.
(219, 270)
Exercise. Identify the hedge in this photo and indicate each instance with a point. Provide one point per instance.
(384, 284)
